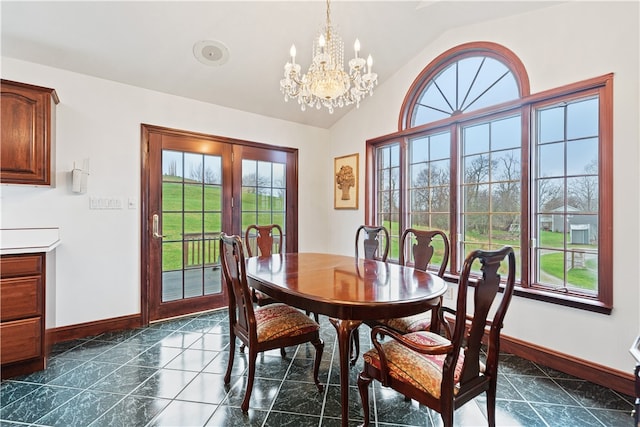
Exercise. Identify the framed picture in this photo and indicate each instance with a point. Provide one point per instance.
(345, 182)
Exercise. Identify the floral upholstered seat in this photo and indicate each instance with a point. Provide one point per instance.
(415, 323)
(280, 320)
(423, 371)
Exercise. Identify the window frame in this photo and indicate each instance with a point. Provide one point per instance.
(526, 105)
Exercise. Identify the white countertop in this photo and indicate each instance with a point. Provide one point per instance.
(28, 240)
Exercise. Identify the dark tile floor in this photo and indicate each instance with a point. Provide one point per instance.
(171, 374)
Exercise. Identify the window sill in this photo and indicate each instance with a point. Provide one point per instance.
(550, 297)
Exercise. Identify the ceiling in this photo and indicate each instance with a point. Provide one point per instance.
(149, 44)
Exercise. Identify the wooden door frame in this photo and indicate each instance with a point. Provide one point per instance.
(145, 208)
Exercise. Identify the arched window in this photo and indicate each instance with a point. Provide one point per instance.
(478, 156)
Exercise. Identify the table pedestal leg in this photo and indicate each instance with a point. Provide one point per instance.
(344, 328)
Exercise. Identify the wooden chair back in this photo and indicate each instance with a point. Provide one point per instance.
(241, 312)
(263, 240)
(371, 242)
(469, 330)
(420, 254)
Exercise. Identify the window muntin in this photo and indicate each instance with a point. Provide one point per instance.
(567, 195)
(572, 151)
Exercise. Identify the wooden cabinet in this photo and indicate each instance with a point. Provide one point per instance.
(28, 130)
(22, 321)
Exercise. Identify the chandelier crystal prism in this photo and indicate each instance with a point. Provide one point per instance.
(326, 83)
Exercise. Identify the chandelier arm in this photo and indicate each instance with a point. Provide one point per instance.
(294, 78)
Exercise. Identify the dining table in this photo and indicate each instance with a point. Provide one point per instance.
(347, 290)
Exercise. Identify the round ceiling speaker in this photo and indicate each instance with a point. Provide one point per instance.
(211, 52)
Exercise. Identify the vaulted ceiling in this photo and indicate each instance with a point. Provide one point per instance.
(150, 44)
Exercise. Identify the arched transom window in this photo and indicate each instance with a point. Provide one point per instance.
(464, 85)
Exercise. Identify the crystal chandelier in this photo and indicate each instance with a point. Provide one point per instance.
(327, 84)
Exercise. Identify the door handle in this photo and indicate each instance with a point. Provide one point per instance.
(155, 228)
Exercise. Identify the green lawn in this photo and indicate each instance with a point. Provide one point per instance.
(579, 277)
(188, 208)
(551, 264)
(203, 207)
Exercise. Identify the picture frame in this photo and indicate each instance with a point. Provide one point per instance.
(346, 182)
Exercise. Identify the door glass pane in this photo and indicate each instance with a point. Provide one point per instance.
(171, 196)
(264, 174)
(172, 226)
(263, 194)
(191, 224)
(172, 165)
(194, 167)
(212, 170)
(212, 197)
(193, 197)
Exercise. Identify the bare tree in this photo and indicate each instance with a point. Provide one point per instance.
(197, 172)
(583, 191)
(172, 170)
(431, 193)
(507, 190)
(210, 177)
(476, 173)
(549, 194)
(251, 180)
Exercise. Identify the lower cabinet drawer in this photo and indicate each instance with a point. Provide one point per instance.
(20, 297)
(21, 265)
(20, 340)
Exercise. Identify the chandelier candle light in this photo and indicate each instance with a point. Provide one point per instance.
(327, 83)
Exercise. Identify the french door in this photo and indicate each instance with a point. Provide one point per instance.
(195, 187)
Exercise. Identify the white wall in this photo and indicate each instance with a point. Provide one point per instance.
(558, 45)
(98, 262)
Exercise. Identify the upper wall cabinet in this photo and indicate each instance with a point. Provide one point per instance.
(28, 130)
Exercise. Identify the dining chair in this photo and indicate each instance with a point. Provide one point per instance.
(445, 372)
(263, 240)
(263, 328)
(267, 240)
(369, 237)
(417, 249)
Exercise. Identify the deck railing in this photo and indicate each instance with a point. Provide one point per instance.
(201, 249)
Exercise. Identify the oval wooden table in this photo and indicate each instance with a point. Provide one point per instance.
(346, 291)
